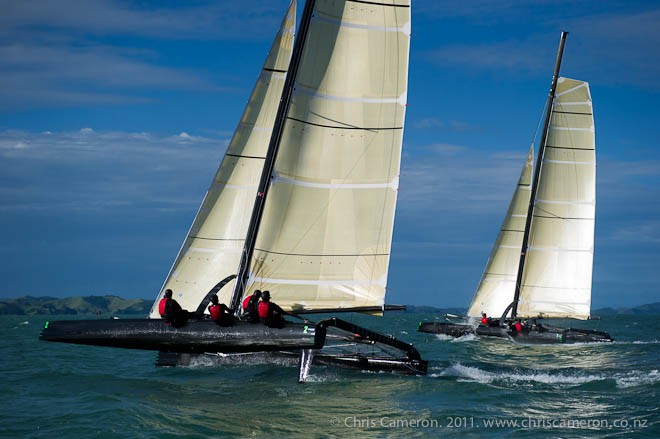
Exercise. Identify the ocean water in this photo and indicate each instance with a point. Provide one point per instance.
(475, 388)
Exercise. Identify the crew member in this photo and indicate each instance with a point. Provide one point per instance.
(518, 327)
(484, 319)
(250, 307)
(270, 313)
(220, 313)
(171, 311)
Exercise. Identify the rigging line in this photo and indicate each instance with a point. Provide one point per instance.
(553, 215)
(246, 156)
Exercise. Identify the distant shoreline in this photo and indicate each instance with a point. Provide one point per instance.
(102, 305)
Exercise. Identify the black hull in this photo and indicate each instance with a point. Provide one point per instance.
(195, 337)
(177, 345)
(546, 335)
(539, 334)
(401, 366)
(373, 364)
(450, 329)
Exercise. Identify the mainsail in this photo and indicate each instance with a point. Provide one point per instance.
(556, 277)
(325, 236)
(498, 281)
(212, 248)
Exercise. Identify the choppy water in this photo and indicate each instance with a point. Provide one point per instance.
(474, 388)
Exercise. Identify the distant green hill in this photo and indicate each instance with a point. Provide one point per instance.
(29, 305)
(649, 308)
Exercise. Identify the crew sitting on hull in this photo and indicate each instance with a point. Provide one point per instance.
(517, 328)
(484, 320)
(171, 311)
(270, 313)
(220, 313)
(250, 307)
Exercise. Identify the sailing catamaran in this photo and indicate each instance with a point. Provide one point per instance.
(302, 204)
(541, 264)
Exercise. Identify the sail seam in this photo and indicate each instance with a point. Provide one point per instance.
(274, 70)
(401, 100)
(404, 30)
(394, 184)
(569, 162)
(590, 129)
(571, 203)
(350, 282)
(348, 255)
(344, 127)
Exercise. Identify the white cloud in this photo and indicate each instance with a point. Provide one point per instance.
(620, 39)
(447, 178)
(208, 20)
(94, 171)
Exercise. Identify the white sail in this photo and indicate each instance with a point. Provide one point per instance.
(557, 273)
(498, 281)
(326, 232)
(212, 248)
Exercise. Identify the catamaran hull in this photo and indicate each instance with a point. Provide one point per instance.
(195, 337)
(546, 335)
(444, 328)
(177, 345)
(403, 366)
(542, 335)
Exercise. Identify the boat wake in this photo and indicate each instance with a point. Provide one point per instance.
(462, 339)
(623, 380)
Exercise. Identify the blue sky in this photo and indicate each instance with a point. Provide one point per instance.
(114, 116)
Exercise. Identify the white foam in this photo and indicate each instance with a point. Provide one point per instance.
(466, 337)
(485, 377)
(637, 378)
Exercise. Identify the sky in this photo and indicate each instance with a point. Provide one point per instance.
(114, 116)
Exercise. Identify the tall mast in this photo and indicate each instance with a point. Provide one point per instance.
(537, 175)
(271, 155)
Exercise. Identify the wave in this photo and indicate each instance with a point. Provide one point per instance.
(637, 342)
(623, 380)
(635, 378)
(464, 338)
